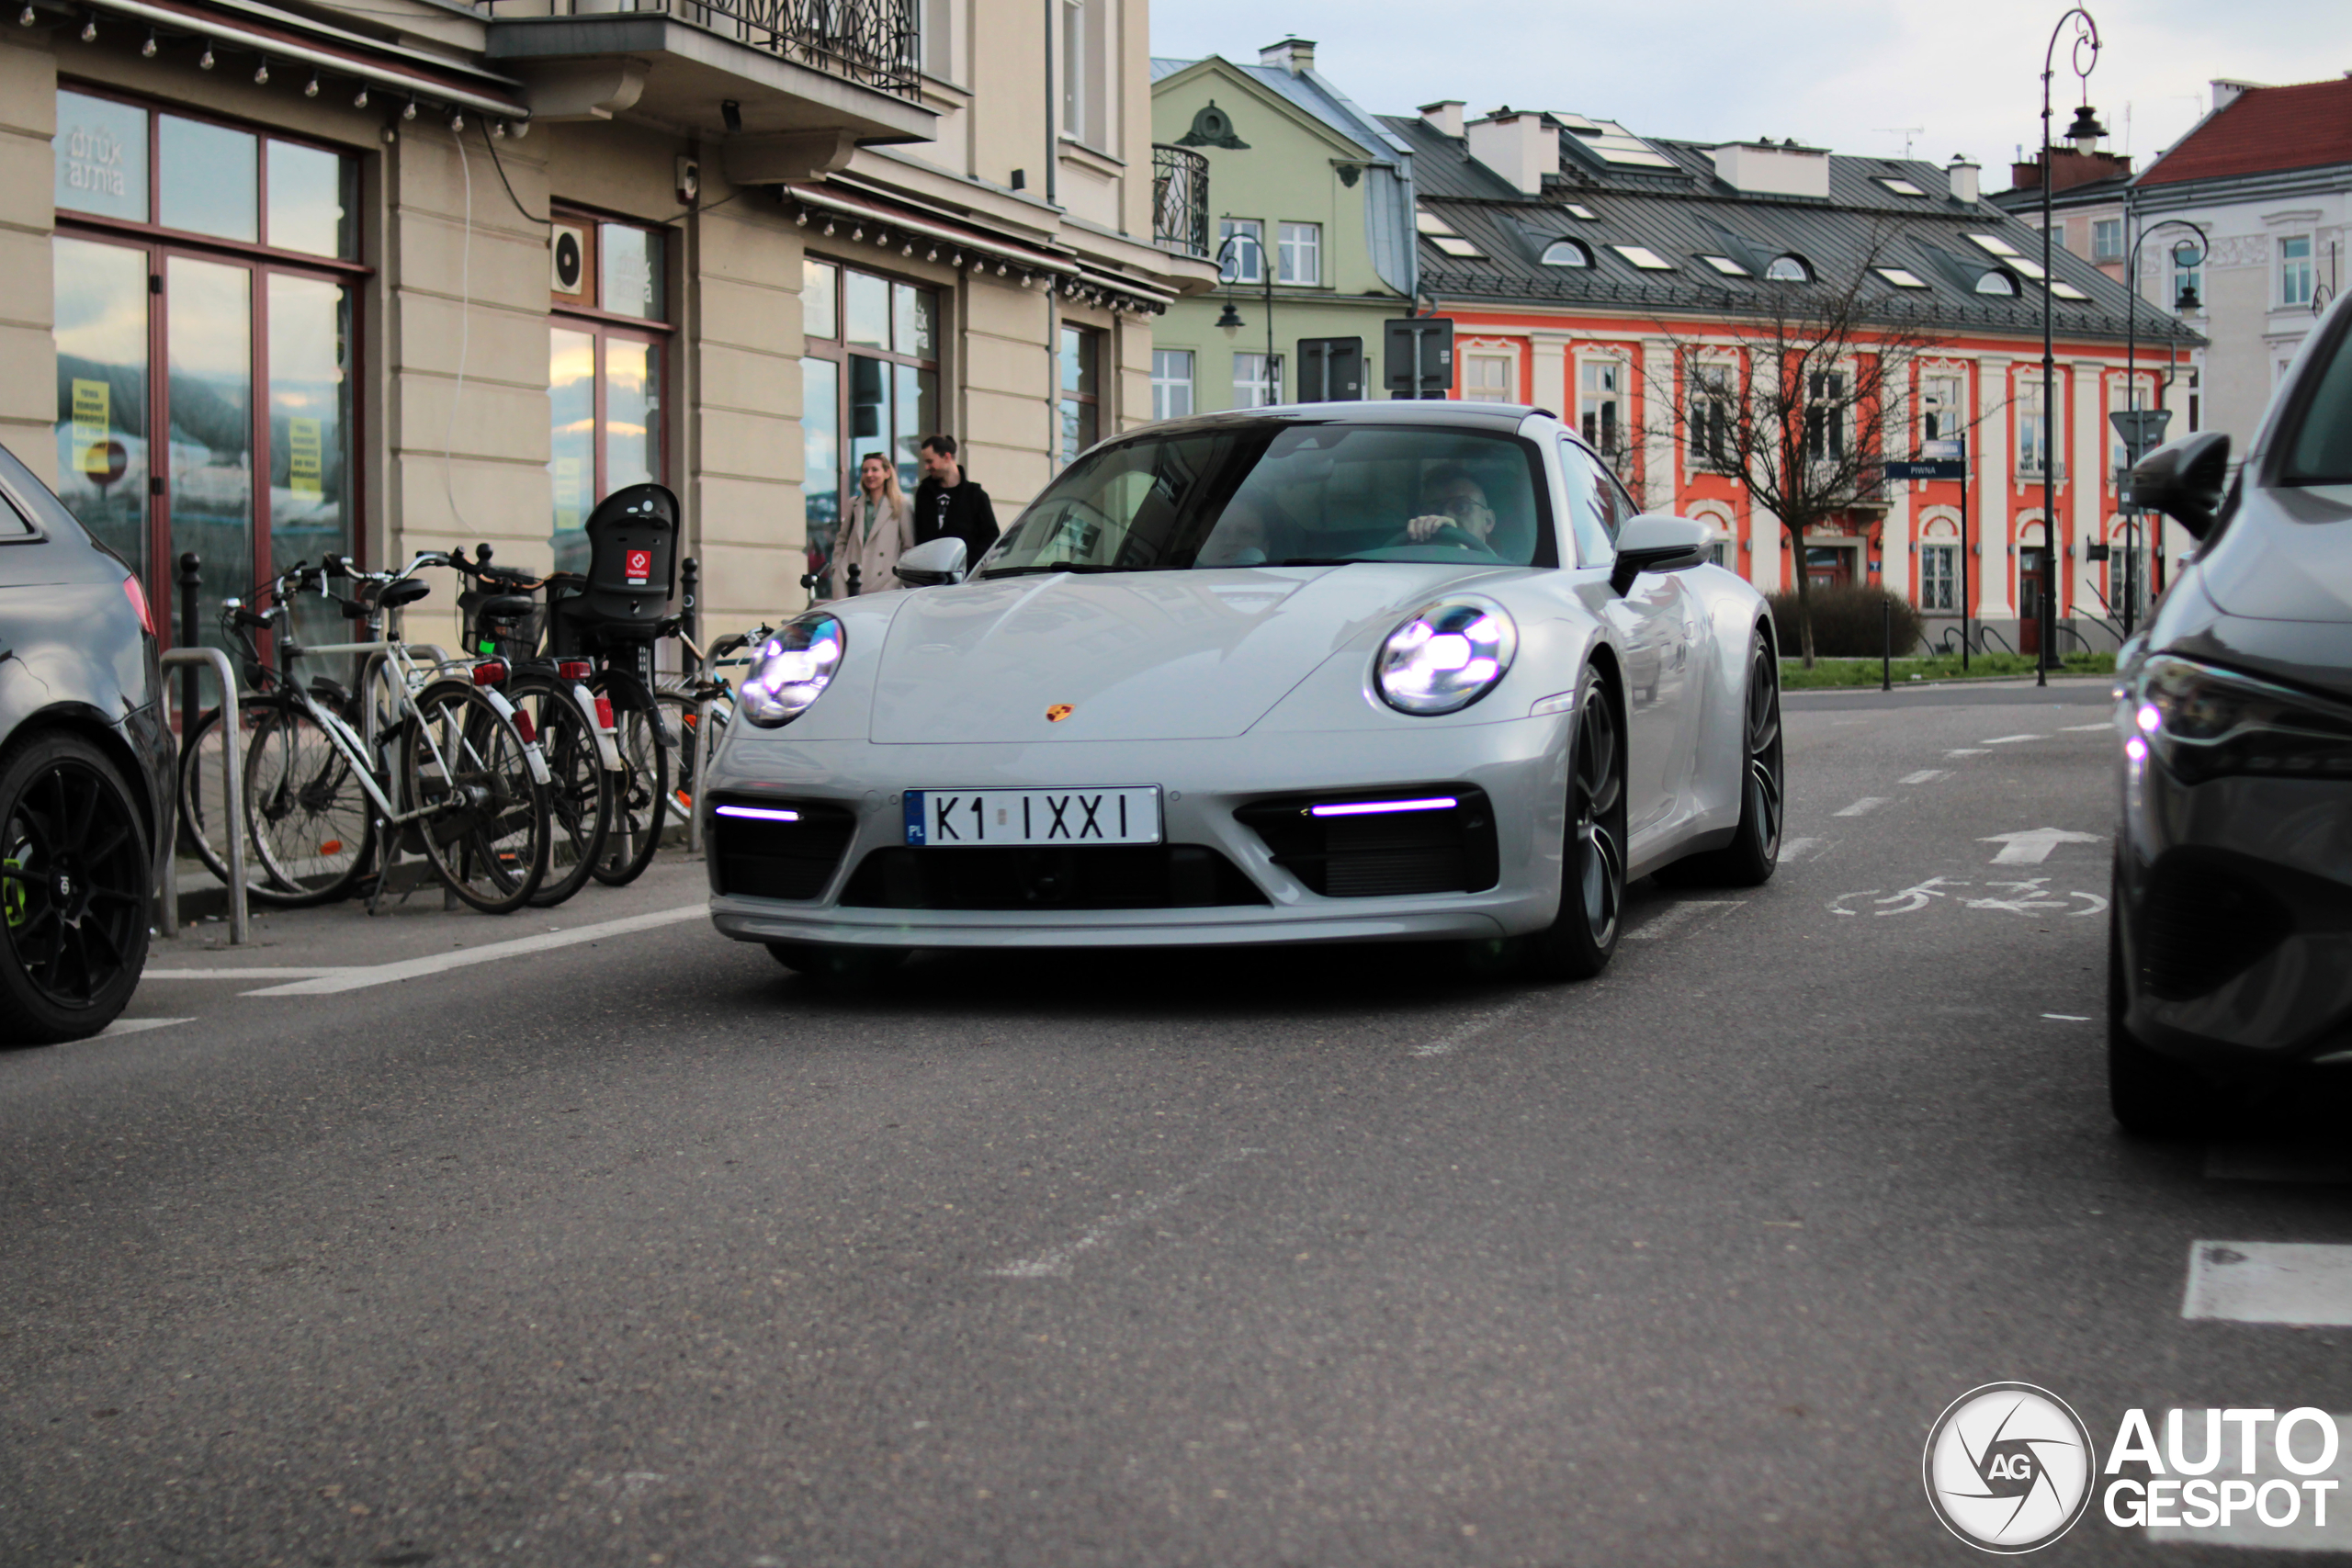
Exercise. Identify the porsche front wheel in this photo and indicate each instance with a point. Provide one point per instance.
(1581, 939)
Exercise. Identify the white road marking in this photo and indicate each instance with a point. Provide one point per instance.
(2013, 740)
(2031, 846)
(258, 972)
(2087, 728)
(1469, 1029)
(2246, 1527)
(2270, 1281)
(1927, 775)
(122, 1026)
(1675, 915)
(1795, 850)
(1863, 807)
(1056, 1264)
(490, 952)
(2315, 1163)
(1968, 751)
(2069, 1017)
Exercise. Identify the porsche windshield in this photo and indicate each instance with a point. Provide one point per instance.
(1287, 494)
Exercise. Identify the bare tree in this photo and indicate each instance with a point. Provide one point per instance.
(1791, 397)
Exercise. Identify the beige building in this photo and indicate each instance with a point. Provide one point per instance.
(414, 273)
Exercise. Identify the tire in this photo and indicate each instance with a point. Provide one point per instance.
(641, 797)
(310, 825)
(837, 968)
(74, 890)
(203, 809)
(1583, 936)
(1753, 852)
(2152, 1095)
(580, 792)
(488, 835)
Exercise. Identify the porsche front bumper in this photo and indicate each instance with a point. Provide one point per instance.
(1520, 766)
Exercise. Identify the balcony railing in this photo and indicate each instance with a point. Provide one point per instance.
(875, 42)
(1179, 199)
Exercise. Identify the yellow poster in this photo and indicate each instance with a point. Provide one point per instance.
(93, 420)
(303, 451)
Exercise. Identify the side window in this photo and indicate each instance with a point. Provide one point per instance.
(13, 523)
(1592, 506)
(1621, 507)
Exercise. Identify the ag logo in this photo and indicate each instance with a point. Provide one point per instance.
(2008, 1467)
(1058, 712)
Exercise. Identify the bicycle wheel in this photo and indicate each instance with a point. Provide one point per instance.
(486, 826)
(641, 799)
(579, 798)
(681, 712)
(308, 822)
(204, 812)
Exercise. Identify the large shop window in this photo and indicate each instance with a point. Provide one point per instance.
(870, 385)
(606, 352)
(205, 348)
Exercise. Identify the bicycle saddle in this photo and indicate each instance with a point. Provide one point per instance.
(505, 609)
(408, 591)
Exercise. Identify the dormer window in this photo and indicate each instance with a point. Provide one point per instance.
(1789, 269)
(1567, 253)
(1998, 282)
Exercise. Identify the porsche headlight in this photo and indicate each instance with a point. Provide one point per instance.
(792, 669)
(1447, 657)
(2203, 723)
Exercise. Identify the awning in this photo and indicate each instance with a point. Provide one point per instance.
(282, 38)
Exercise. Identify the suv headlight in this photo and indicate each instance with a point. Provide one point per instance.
(792, 669)
(1448, 655)
(2203, 723)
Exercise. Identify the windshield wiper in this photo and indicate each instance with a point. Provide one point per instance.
(1055, 566)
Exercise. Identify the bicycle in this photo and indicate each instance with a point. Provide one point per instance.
(684, 701)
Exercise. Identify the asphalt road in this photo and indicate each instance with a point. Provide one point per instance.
(636, 1250)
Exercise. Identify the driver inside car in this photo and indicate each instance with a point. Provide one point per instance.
(1451, 499)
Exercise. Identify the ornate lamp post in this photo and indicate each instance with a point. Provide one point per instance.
(2136, 438)
(1229, 320)
(2085, 134)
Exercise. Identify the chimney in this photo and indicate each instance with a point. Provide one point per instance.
(1962, 177)
(1523, 148)
(2227, 90)
(1769, 168)
(1293, 54)
(1445, 116)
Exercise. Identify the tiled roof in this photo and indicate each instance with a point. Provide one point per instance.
(1687, 212)
(2265, 130)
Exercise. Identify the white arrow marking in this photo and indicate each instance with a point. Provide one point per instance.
(2013, 740)
(1863, 807)
(2088, 729)
(2032, 846)
(1925, 775)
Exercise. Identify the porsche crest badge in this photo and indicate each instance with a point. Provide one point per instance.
(1057, 713)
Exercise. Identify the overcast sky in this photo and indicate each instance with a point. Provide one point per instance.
(1836, 73)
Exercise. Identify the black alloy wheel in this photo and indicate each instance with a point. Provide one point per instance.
(1583, 937)
(1753, 852)
(73, 891)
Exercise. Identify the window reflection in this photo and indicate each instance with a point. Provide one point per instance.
(101, 314)
(207, 179)
(101, 157)
(306, 212)
(632, 414)
(310, 517)
(868, 300)
(821, 433)
(631, 284)
(572, 462)
(208, 354)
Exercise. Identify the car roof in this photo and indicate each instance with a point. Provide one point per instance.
(1501, 417)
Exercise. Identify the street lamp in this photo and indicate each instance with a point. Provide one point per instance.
(1230, 322)
(2085, 134)
(2137, 437)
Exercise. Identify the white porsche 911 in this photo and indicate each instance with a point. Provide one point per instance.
(1339, 672)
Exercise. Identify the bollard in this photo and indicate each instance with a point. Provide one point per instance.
(1886, 645)
(191, 680)
(854, 589)
(689, 580)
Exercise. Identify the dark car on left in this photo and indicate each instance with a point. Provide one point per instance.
(85, 771)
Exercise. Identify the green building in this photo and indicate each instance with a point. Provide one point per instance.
(1302, 185)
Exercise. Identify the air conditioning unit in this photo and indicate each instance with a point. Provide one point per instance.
(568, 257)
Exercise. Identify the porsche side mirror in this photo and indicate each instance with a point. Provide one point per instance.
(1657, 541)
(940, 560)
(2184, 481)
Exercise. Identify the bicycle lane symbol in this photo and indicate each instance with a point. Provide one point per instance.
(2031, 896)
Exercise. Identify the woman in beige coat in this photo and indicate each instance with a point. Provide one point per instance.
(877, 524)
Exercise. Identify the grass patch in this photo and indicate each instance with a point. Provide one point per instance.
(1834, 672)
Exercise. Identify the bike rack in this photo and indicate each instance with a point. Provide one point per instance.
(233, 771)
(702, 711)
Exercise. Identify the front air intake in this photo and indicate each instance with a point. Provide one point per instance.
(766, 848)
(1381, 843)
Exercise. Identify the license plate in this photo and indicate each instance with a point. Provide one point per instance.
(1096, 815)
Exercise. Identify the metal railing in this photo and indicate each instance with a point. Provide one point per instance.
(1179, 199)
(875, 42)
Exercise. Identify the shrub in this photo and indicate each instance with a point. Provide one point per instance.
(1847, 622)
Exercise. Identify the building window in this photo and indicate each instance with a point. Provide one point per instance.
(1171, 383)
(1936, 566)
(1712, 436)
(1256, 381)
(2188, 277)
(607, 350)
(208, 358)
(2295, 270)
(1827, 416)
(1241, 249)
(869, 383)
(2025, 411)
(1301, 257)
(1943, 407)
(1599, 384)
(1567, 253)
(1082, 398)
(1488, 378)
(1995, 281)
(1085, 106)
(1788, 269)
(2107, 239)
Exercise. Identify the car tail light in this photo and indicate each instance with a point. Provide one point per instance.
(575, 669)
(489, 673)
(138, 597)
(603, 711)
(526, 729)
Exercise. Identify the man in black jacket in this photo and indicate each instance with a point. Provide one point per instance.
(948, 503)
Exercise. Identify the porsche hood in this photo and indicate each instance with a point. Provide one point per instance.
(1129, 656)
